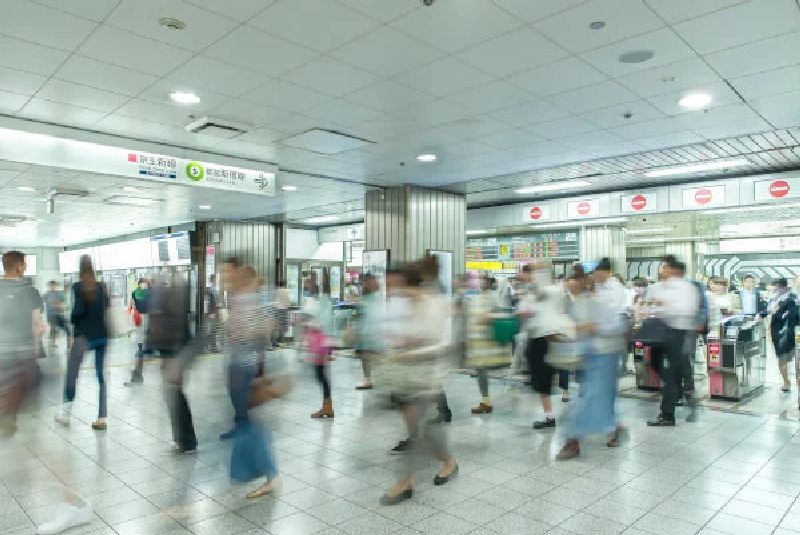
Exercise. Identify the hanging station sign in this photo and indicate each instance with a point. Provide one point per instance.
(638, 203)
(583, 208)
(776, 189)
(536, 213)
(703, 197)
(40, 149)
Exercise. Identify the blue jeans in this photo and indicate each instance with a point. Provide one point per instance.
(595, 409)
(79, 348)
(241, 372)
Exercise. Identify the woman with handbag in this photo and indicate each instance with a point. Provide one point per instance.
(783, 321)
(600, 325)
(139, 309)
(318, 309)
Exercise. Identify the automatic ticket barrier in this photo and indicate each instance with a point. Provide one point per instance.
(647, 377)
(737, 358)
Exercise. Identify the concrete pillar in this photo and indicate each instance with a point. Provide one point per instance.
(410, 220)
(597, 242)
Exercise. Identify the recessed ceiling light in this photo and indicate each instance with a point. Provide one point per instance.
(25, 188)
(184, 97)
(695, 101)
(698, 167)
(289, 188)
(554, 186)
(597, 25)
(426, 158)
(636, 56)
(321, 219)
(205, 207)
(171, 24)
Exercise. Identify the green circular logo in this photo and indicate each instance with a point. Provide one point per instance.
(195, 171)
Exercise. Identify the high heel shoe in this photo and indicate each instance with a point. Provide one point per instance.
(397, 498)
(441, 480)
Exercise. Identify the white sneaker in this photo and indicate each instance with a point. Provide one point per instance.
(70, 517)
(62, 419)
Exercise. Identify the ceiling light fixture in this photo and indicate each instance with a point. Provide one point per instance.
(477, 232)
(132, 201)
(204, 207)
(636, 56)
(171, 24)
(554, 186)
(575, 224)
(660, 230)
(321, 219)
(697, 167)
(25, 188)
(289, 188)
(184, 97)
(597, 25)
(695, 101)
(426, 157)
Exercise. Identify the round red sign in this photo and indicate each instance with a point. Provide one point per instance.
(703, 196)
(536, 213)
(639, 202)
(584, 208)
(779, 188)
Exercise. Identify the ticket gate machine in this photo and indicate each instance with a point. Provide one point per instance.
(647, 377)
(737, 358)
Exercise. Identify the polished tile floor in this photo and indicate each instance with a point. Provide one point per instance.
(727, 474)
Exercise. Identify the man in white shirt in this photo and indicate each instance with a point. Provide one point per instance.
(675, 301)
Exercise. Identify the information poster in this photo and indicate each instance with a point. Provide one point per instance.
(376, 263)
(445, 260)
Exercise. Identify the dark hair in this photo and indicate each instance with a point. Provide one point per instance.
(748, 276)
(142, 279)
(11, 259)
(235, 261)
(52, 282)
(87, 277)
(680, 267)
(577, 272)
(781, 282)
(604, 264)
(671, 261)
(527, 268)
(640, 282)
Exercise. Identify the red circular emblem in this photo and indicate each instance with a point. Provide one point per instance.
(779, 188)
(584, 208)
(639, 202)
(536, 213)
(703, 196)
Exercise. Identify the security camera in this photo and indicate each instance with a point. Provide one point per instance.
(427, 2)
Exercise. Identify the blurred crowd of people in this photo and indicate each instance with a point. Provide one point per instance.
(409, 333)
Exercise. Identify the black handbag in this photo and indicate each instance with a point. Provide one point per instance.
(653, 332)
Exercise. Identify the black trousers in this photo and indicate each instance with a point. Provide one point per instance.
(322, 377)
(672, 369)
(180, 415)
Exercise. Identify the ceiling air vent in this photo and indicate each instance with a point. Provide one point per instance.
(217, 127)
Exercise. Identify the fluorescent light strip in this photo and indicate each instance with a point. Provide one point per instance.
(697, 167)
(751, 208)
(321, 219)
(554, 186)
(661, 230)
(662, 240)
(477, 232)
(581, 223)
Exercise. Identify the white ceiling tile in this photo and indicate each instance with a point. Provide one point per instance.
(246, 149)
(386, 51)
(623, 18)
(157, 113)
(381, 9)
(293, 124)
(434, 112)
(263, 136)
(667, 46)
(673, 139)
(30, 57)
(218, 76)
(733, 113)
(466, 148)
(614, 116)
(454, 26)
(285, 95)
(101, 75)
(253, 49)
(241, 10)
(388, 96)
(594, 97)
(318, 24)
(661, 127)
(678, 76)
(474, 127)
(161, 91)
(558, 77)
(129, 50)
(57, 112)
(141, 17)
(491, 97)
(443, 77)
(81, 95)
(781, 110)
(744, 127)
(132, 127)
(529, 11)
(739, 24)
(678, 10)
(513, 52)
(12, 102)
(768, 83)
(249, 113)
(95, 10)
(537, 111)
(513, 138)
(344, 112)
(331, 77)
(39, 24)
(21, 82)
(755, 57)
(591, 140)
(563, 127)
(721, 95)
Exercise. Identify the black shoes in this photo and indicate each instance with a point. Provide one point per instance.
(441, 480)
(446, 418)
(394, 500)
(227, 435)
(661, 422)
(402, 447)
(547, 422)
(136, 379)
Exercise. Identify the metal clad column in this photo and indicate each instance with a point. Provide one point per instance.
(597, 242)
(683, 251)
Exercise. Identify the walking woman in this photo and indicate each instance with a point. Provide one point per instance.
(368, 337)
(783, 321)
(90, 304)
(318, 310)
(140, 316)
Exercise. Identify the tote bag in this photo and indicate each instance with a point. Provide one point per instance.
(563, 354)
